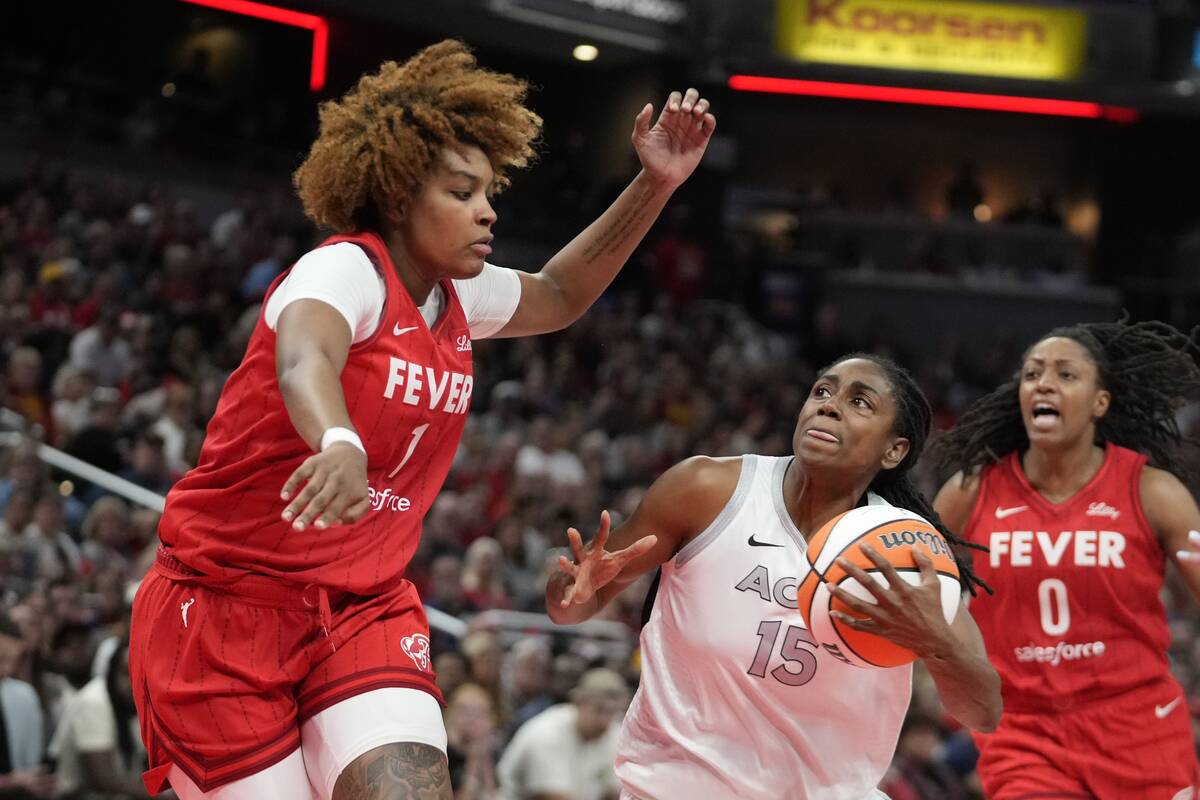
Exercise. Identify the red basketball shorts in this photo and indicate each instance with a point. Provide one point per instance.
(224, 676)
(1137, 745)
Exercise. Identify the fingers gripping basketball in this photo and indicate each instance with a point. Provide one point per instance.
(894, 533)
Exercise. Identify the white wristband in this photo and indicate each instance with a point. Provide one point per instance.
(332, 435)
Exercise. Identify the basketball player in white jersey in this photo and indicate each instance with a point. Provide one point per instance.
(736, 700)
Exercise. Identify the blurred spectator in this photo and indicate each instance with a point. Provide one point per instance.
(445, 590)
(541, 458)
(50, 305)
(567, 751)
(101, 349)
(97, 745)
(22, 725)
(25, 388)
(471, 743)
(72, 401)
(484, 661)
(677, 260)
(106, 536)
(18, 513)
(98, 442)
(53, 554)
(176, 427)
(451, 669)
(260, 276)
(529, 684)
(568, 670)
(483, 575)
(148, 464)
(69, 663)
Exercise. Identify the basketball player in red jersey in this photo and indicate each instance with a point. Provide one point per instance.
(277, 650)
(1053, 478)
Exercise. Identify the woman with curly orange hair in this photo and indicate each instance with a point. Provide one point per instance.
(277, 650)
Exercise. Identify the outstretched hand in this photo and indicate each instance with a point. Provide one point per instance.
(907, 615)
(594, 567)
(671, 149)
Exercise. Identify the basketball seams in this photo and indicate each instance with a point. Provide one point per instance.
(859, 538)
(869, 570)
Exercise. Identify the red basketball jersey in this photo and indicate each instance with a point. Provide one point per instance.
(1076, 616)
(407, 388)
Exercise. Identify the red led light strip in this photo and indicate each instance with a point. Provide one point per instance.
(284, 16)
(932, 97)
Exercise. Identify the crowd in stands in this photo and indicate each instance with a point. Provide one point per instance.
(122, 312)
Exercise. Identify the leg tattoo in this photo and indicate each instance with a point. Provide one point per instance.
(397, 771)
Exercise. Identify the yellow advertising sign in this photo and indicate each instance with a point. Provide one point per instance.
(1008, 41)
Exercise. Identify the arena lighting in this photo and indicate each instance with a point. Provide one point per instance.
(318, 26)
(585, 52)
(932, 97)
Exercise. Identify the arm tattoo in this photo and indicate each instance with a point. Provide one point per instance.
(397, 771)
(617, 232)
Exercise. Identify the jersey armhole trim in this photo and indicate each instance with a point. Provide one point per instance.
(731, 509)
(1140, 511)
(388, 300)
(977, 508)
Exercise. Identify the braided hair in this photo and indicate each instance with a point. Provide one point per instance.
(1148, 368)
(914, 419)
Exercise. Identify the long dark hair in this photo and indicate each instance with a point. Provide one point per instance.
(914, 420)
(1149, 370)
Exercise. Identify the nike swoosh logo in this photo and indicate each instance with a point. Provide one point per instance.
(753, 543)
(396, 331)
(1001, 513)
(1162, 711)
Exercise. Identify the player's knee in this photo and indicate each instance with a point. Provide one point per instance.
(399, 770)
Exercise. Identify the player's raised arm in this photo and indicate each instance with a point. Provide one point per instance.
(572, 280)
(677, 506)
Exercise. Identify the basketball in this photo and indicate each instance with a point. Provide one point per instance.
(893, 532)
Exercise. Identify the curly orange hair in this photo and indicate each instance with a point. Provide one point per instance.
(379, 142)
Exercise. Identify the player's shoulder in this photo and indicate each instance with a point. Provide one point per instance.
(957, 498)
(696, 488)
(346, 254)
(704, 474)
(1158, 486)
(334, 268)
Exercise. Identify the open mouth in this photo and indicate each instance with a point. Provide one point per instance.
(824, 436)
(1045, 416)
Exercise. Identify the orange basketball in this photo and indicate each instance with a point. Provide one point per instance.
(894, 533)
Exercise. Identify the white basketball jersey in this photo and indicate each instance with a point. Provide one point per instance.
(735, 699)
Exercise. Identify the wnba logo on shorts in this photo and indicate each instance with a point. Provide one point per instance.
(416, 647)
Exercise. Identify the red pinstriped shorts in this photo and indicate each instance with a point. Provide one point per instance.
(1135, 745)
(224, 675)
